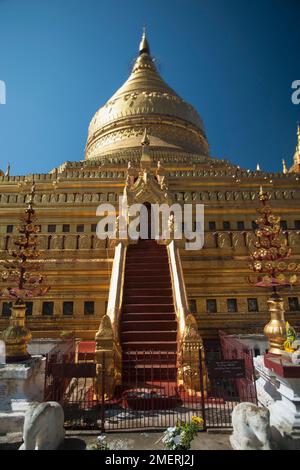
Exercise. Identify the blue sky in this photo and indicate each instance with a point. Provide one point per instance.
(233, 60)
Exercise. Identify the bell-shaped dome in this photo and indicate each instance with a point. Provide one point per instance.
(145, 100)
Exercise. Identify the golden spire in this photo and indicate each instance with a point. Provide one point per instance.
(258, 167)
(144, 45)
(284, 168)
(297, 152)
(7, 173)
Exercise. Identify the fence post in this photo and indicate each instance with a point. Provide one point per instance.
(103, 394)
(202, 391)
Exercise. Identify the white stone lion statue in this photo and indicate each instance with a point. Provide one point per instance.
(43, 426)
(251, 427)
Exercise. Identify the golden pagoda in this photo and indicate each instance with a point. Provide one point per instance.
(79, 266)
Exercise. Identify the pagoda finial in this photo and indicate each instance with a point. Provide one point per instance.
(144, 45)
(258, 167)
(284, 168)
(7, 173)
(297, 151)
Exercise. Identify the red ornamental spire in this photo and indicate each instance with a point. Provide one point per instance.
(22, 266)
(270, 250)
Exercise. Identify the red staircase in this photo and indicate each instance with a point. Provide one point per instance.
(148, 321)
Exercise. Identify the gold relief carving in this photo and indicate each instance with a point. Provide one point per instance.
(103, 197)
(293, 239)
(189, 353)
(70, 242)
(87, 198)
(62, 198)
(212, 195)
(99, 244)
(56, 242)
(210, 240)
(224, 240)
(161, 176)
(43, 242)
(250, 240)
(132, 173)
(45, 198)
(169, 131)
(84, 242)
(238, 240)
(70, 197)
(237, 195)
(246, 195)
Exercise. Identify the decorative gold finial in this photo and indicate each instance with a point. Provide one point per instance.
(144, 45)
(297, 151)
(258, 167)
(145, 140)
(284, 168)
(7, 173)
(22, 269)
(146, 159)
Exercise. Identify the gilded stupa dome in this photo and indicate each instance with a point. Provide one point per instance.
(145, 100)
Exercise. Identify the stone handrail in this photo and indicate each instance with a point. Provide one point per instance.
(189, 341)
(115, 296)
(178, 286)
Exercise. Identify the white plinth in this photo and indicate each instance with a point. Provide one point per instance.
(20, 384)
(281, 395)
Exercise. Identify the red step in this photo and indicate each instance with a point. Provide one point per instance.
(152, 290)
(147, 299)
(148, 322)
(147, 336)
(137, 316)
(160, 325)
(148, 308)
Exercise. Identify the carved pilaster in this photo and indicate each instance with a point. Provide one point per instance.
(108, 360)
(189, 367)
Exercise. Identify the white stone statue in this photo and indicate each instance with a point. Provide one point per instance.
(251, 427)
(43, 426)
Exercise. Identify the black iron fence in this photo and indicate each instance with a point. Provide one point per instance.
(151, 394)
